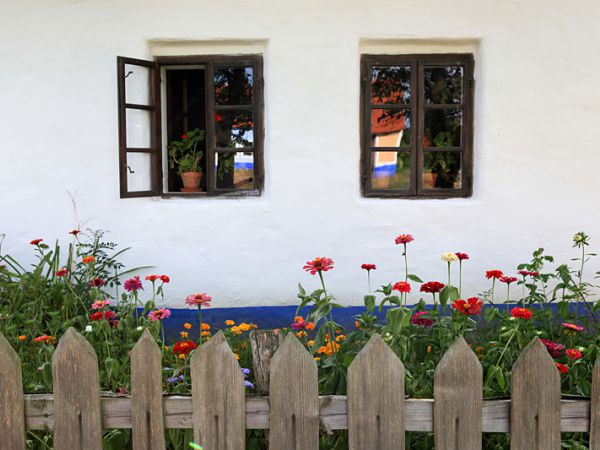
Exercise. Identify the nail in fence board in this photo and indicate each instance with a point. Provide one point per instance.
(595, 409)
(535, 409)
(12, 415)
(294, 398)
(218, 396)
(147, 420)
(77, 412)
(376, 399)
(458, 399)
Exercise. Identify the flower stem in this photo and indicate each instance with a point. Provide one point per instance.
(200, 323)
(460, 277)
(448, 273)
(405, 264)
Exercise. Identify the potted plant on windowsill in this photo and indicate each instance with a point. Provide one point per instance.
(186, 155)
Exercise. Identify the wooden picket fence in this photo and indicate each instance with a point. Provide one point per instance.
(375, 412)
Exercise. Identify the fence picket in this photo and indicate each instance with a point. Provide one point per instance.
(376, 399)
(294, 398)
(458, 399)
(147, 421)
(595, 409)
(12, 414)
(218, 397)
(77, 411)
(535, 409)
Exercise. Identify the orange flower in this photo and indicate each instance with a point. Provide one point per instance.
(88, 259)
(245, 327)
(309, 326)
(22, 337)
(340, 338)
(298, 319)
(229, 323)
(187, 326)
(311, 343)
(236, 356)
(357, 324)
(329, 349)
(45, 339)
(184, 334)
(205, 333)
(205, 327)
(236, 330)
(301, 334)
(521, 313)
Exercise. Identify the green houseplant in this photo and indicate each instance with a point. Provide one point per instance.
(186, 156)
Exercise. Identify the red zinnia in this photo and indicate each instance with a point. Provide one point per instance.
(508, 280)
(561, 367)
(432, 287)
(368, 266)
(165, 278)
(152, 278)
(573, 353)
(461, 256)
(183, 348)
(36, 241)
(98, 315)
(322, 264)
(184, 136)
(521, 313)
(554, 348)
(74, 232)
(402, 286)
(218, 118)
(418, 319)
(97, 282)
(62, 272)
(404, 239)
(470, 307)
(493, 274)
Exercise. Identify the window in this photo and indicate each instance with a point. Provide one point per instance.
(215, 100)
(416, 126)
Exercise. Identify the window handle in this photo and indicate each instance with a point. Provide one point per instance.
(129, 168)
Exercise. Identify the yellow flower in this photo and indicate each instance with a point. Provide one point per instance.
(229, 323)
(245, 327)
(166, 347)
(205, 333)
(22, 337)
(236, 330)
(181, 356)
(301, 334)
(317, 358)
(184, 334)
(205, 327)
(187, 326)
(340, 338)
(311, 343)
(429, 349)
(236, 356)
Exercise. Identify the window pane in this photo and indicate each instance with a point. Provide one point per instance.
(234, 170)
(443, 85)
(390, 170)
(443, 128)
(390, 84)
(233, 86)
(137, 84)
(139, 172)
(234, 129)
(139, 129)
(442, 170)
(390, 127)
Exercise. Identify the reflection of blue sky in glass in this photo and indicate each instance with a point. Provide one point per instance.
(241, 160)
(240, 136)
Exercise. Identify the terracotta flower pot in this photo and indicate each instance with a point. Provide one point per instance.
(429, 179)
(191, 181)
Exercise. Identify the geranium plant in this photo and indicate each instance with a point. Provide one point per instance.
(185, 153)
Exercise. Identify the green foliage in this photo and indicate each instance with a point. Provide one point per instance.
(185, 153)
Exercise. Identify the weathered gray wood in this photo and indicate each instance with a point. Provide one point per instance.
(12, 409)
(147, 418)
(116, 413)
(535, 409)
(76, 386)
(218, 394)
(376, 399)
(264, 345)
(294, 398)
(595, 409)
(458, 395)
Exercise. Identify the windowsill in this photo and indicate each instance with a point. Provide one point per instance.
(195, 195)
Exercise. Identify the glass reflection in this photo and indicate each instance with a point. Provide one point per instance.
(390, 84)
(443, 128)
(234, 170)
(233, 86)
(443, 85)
(390, 170)
(390, 127)
(234, 129)
(442, 170)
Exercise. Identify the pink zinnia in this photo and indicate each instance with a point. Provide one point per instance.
(573, 353)
(133, 284)
(554, 348)
(418, 319)
(159, 314)
(99, 304)
(198, 300)
(572, 326)
(404, 239)
(322, 264)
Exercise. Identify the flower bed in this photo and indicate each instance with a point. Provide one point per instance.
(89, 289)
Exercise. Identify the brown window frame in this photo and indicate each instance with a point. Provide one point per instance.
(418, 63)
(211, 62)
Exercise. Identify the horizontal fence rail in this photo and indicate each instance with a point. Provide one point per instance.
(375, 411)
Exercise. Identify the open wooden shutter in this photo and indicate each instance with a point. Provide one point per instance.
(140, 153)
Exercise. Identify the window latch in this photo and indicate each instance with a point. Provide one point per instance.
(130, 169)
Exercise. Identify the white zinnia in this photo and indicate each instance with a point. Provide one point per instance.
(88, 328)
(449, 257)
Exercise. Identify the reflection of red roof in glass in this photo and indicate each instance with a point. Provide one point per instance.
(384, 121)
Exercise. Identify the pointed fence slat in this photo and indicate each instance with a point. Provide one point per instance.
(77, 411)
(147, 420)
(535, 409)
(294, 398)
(376, 399)
(12, 414)
(595, 409)
(218, 394)
(458, 396)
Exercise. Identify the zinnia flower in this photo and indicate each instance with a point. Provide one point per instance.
(159, 314)
(432, 287)
(420, 318)
(368, 267)
(449, 257)
(198, 300)
(165, 278)
(572, 326)
(561, 368)
(62, 272)
(229, 323)
(470, 307)
(554, 348)
(404, 239)
(328, 349)
(88, 259)
(527, 273)
(99, 304)
(46, 339)
(133, 284)
(36, 241)
(22, 337)
(187, 326)
(521, 313)
(183, 348)
(493, 274)
(508, 280)
(573, 353)
(461, 256)
(205, 327)
(152, 278)
(402, 286)
(74, 232)
(97, 282)
(322, 264)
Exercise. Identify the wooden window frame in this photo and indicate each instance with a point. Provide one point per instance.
(211, 62)
(418, 63)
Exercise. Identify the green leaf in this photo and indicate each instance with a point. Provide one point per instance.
(414, 278)
(370, 303)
